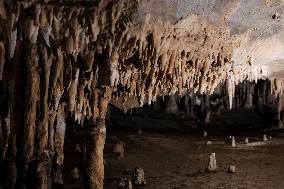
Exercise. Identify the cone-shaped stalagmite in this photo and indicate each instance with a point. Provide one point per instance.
(212, 165)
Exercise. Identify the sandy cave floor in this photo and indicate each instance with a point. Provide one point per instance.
(176, 158)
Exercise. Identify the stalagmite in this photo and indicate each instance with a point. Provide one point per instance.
(94, 170)
(212, 164)
(118, 149)
(95, 167)
(77, 148)
(264, 138)
(139, 176)
(75, 173)
(125, 183)
(233, 142)
(232, 169)
(140, 131)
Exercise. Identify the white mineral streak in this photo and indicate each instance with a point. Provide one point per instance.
(73, 91)
(2, 59)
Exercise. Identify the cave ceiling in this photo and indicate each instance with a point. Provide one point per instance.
(145, 48)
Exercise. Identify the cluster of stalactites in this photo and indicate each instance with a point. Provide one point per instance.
(277, 86)
(85, 48)
(239, 74)
(246, 91)
(248, 94)
(253, 93)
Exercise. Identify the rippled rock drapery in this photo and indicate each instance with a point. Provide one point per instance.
(73, 57)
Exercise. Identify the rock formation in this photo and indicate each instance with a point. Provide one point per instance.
(60, 58)
(139, 176)
(118, 149)
(212, 163)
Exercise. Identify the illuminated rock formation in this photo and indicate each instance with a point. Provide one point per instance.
(60, 58)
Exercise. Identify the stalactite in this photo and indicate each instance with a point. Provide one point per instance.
(192, 104)
(60, 134)
(72, 92)
(56, 70)
(2, 10)
(5, 133)
(32, 95)
(42, 128)
(172, 105)
(58, 92)
(207, 108)
(16, 93)
(279, 109)
(231, 89)
(2, 59)
(186, 104)
(249, 94)
(12, 42)
(31, 107)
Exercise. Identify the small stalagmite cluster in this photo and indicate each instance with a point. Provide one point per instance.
(60, 58)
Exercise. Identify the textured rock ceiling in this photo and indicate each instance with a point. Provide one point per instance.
(145, 48)
(256, 26)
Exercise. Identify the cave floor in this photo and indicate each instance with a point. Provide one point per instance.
(176, 158)
(173, 160)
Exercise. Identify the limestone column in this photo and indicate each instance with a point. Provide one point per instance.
(94, 170)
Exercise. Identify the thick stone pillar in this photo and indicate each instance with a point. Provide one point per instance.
(95, 159)
(94, 167)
